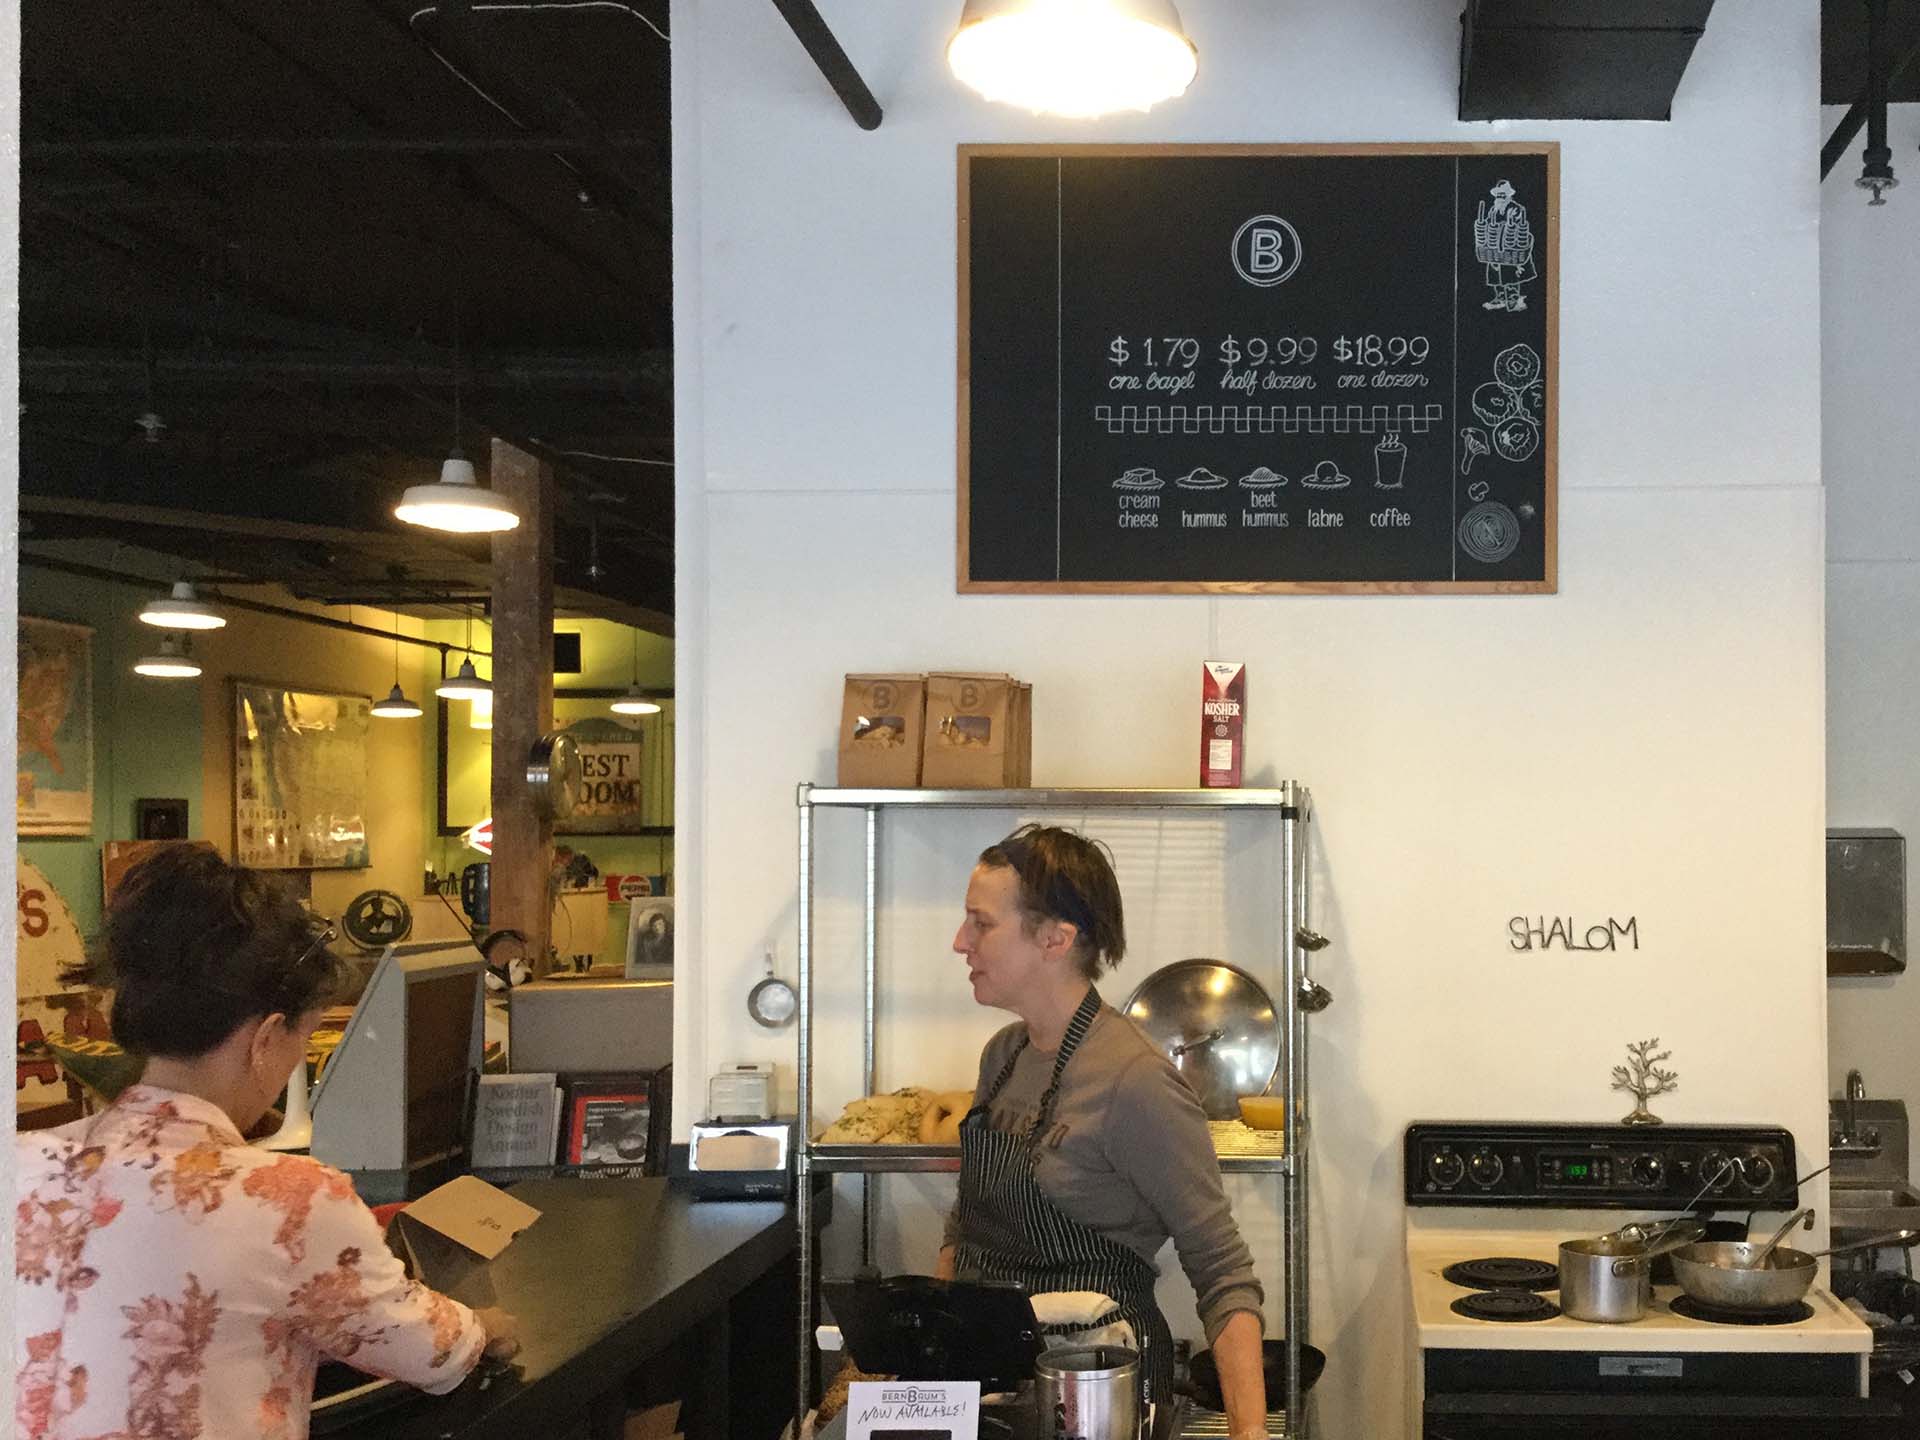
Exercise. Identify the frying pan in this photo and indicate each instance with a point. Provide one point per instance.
(1713, 1271)
(1203, 1376)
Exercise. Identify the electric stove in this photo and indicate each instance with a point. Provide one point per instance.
(1487, 1207)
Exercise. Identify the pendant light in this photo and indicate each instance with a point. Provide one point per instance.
(466, 683)
(170, 662)
(457, 502)
(181, 610)
(396, 706)
(635, 701)
(1078, 58)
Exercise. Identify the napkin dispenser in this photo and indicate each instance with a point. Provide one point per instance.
(751, 1161)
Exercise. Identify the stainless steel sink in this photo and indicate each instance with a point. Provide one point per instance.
(1862, 1198)
(1862, 1211)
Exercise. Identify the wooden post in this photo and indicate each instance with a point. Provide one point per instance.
(522, 696)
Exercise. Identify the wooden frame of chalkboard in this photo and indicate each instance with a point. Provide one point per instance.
(1236, 369)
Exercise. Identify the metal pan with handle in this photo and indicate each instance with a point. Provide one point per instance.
(1608, 1279)
(1717, 1273)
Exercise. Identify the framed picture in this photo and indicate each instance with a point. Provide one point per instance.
(627, 764)
(649, 935)
(159, 819)
(55, 794)
(607, 1123)
(299, 778)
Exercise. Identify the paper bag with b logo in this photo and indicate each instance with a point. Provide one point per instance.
(880, 722)
(971, 739)
(447, 1237)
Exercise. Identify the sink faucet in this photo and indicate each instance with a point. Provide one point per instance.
(1852, 1140)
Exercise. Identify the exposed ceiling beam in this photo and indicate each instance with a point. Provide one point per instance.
(141, 147)
(82, 370)
(815, 35)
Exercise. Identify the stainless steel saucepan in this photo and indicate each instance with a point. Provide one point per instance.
(1609, 1279)
(1722, 1272)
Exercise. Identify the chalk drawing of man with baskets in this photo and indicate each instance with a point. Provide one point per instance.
(1503, 242)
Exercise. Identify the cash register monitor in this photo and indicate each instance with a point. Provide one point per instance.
(396, 1096)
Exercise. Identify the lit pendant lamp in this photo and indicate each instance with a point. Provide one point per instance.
(1078, 58)
(457, 502)
(466, 684)
(170, 662)
(396, 706)
(181, 610)
(635, 701)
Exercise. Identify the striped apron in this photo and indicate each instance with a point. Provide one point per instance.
(1010, 1230)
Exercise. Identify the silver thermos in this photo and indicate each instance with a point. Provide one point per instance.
(1089, 1392)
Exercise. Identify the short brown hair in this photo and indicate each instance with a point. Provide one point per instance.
(193, 948)
(1066, 876)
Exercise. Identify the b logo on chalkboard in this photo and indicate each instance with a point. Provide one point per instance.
(1266, 250)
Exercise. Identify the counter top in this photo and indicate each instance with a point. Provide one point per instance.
(611, 1272)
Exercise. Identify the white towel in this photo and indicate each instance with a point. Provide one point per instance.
(1071, 1314)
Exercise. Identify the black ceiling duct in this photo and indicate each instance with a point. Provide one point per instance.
(1576, 59)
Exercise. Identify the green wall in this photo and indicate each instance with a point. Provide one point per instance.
(146, 733)
(148, 737)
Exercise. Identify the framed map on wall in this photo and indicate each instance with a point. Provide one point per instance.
(299, 778)
(55, 783)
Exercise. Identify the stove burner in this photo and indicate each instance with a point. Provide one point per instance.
(1503, 1272)
(1694, 1309)
(1505, 1306)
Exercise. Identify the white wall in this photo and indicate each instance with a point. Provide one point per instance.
(1870, 375)
(1647, 742)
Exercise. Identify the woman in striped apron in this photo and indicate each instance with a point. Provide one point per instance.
(1084, 1150)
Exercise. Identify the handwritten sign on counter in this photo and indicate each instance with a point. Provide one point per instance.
(920, 1409)
(1258, 368)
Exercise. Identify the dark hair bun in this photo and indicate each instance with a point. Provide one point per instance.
(194, 947)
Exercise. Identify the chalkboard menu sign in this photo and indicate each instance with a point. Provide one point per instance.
(1258, 368)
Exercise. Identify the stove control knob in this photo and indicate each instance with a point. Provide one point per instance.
(1646, 1171)
(1446, 1168)
(1716, 1171)
(1756, 1171)
(1486, 1169)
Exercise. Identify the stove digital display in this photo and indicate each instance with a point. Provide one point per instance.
(1578, 1169)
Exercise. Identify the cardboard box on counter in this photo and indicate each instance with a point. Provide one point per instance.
(881, 719)
(977, 732)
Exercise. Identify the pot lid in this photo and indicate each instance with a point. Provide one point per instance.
(1216, 1024)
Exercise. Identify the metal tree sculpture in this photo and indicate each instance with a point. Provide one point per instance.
(1643, 1078)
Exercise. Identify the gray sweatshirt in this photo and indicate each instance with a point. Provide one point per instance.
(1128, 1154)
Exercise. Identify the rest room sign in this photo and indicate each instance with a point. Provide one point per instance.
(608, 798)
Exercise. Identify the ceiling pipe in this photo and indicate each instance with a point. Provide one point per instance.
(1856, 117)
(812, 32)
(1876, 168)
(148, 147)
(235, 602)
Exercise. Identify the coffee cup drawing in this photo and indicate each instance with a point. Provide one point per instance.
(1389, 462)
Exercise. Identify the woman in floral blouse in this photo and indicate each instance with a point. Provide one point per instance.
(168, 1279)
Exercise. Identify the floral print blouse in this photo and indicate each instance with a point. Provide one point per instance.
(171, 1282)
